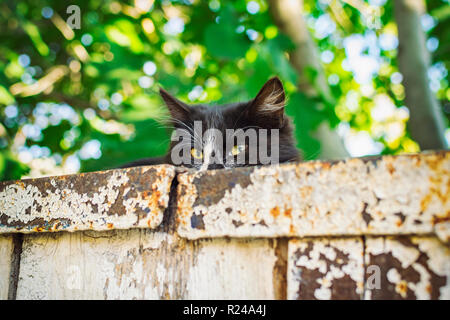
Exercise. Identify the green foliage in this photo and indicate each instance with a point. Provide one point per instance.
(10, 168)
(221, 39)
(61, 89)
(150, 138)
(306, 119)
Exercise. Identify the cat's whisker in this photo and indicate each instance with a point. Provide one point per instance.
(265, 111)
(251, 127)
(311, 156)
(190, 130)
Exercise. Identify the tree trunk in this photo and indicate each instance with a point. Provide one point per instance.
(426, 123)
(289, 18)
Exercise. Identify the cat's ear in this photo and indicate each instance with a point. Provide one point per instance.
(269, 102)
(178, 109)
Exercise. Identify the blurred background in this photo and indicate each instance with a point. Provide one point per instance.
(79, 84)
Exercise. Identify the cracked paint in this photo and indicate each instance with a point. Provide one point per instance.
(352, 205)
(115, 199)
(407, 194)
(143, 264)
(410, 268)
(325, 269)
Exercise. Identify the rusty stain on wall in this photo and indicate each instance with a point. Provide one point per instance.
(442, 230)
(407, 194)
(119, 199)
(332, 221)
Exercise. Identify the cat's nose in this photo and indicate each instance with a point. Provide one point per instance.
(214, 166)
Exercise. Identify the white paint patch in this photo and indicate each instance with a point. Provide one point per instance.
(226, 269)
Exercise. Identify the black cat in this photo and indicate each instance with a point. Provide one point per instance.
(240, 132)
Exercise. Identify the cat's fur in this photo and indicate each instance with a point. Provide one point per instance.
(265, 111)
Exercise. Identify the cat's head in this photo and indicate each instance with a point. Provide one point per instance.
(255, 132)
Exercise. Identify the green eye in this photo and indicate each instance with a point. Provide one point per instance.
(197, 154)
(237, 150)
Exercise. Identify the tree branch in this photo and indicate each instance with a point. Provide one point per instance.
(426, 123)
(288, 15)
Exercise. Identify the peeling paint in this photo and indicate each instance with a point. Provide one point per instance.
(115, 199)
(325, 269)
(411, 268)
(143, 264)
(351, 205)
(407, 194)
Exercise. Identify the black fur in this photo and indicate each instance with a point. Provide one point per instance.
(265, 111)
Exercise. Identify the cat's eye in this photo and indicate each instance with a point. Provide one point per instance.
(237, 150)
(197, 154)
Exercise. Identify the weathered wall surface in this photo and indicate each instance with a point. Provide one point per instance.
(6, 250)
(145, 264)
(410, 268)
(390, 195)
(358, 229)
(326, 268)
(369, 268)
(114, 199)
(142, 264)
